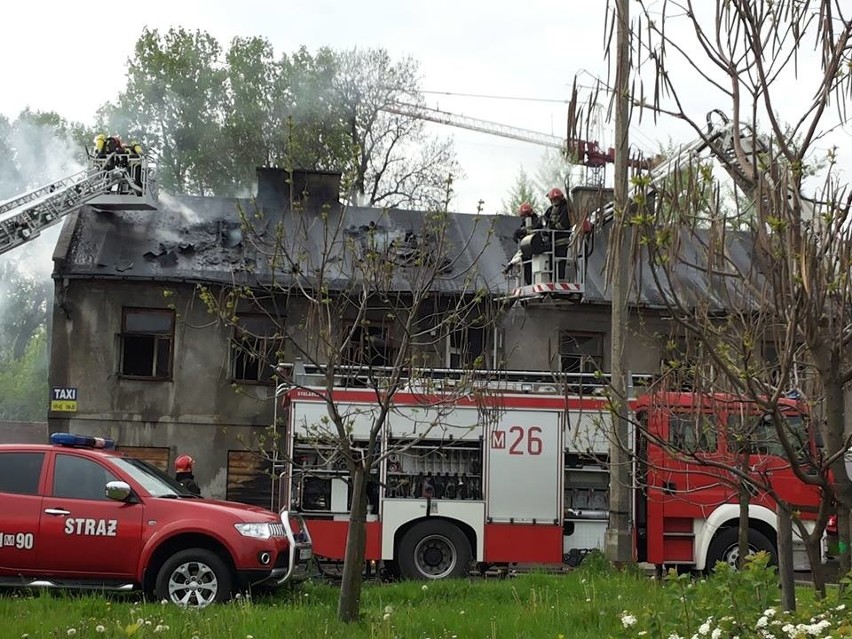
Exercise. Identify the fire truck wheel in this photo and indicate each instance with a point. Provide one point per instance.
(193, 578)
(434, 549)
(725, 547)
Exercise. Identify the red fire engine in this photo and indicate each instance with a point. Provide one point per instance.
(522, 477)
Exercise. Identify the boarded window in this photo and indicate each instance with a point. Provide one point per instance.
(254, 350)
(156, 455)
(581, 352)
(249, 478)
(147, 336)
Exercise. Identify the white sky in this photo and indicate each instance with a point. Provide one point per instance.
(70, 57)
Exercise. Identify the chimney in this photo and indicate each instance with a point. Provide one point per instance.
(313, 190)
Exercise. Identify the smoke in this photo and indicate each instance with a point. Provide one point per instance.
(190, 215)
(34, 155)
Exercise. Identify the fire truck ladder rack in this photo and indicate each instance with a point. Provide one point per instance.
(123, 187)
(443, 380)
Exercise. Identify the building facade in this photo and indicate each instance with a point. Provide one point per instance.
(152, 368)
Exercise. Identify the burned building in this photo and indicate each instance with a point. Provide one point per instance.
(153, 369)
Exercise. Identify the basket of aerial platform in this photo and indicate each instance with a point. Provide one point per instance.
(550, 264)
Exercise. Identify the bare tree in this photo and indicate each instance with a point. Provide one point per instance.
(395, 163)
(366, 299)
(780, 282)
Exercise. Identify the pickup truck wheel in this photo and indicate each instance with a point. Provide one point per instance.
(194, 578)
(434, 550)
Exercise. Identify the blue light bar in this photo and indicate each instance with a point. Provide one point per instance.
(81, 441)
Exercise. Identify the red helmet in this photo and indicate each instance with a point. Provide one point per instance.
(183, 464)
(555, 194)
(525, 209)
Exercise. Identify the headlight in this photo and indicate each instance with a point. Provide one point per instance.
(256, 530)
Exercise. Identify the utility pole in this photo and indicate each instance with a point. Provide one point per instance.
(619, 547)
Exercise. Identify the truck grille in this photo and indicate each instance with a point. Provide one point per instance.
(277, 530)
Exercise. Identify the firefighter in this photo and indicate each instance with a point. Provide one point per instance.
(134, 152)
(557, 218)
(557, 215)
(100, 145)
(184, 476)
(529, 221)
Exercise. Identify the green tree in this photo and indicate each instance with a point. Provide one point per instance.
(173, 104)
(524, 190)
(23, 382)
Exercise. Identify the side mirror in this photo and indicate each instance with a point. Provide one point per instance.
(118, 490)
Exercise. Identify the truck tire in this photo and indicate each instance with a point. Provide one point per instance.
(194, 578)
(725, 547)
(434, 549)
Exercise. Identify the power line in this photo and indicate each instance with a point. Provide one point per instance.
(497, 97)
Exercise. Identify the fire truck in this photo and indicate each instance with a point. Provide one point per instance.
(520, 475)
(119, 180)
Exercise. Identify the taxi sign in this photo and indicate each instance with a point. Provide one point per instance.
(63, 399)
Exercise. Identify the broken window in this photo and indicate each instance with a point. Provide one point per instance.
(466, 347)
(369, 346)
(146, 337)
(254, 350)
(581, 352)
(677, 364)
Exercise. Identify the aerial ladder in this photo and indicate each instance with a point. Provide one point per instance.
(117, 181)
(532, 269)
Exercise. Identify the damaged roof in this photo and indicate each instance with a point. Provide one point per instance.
(201, 240)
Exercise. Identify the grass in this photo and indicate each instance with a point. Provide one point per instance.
(593, 601)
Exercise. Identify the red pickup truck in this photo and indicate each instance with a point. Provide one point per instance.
(76, 514)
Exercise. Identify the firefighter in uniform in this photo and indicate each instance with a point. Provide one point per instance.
(100, 145)
(558, 219)
(530, 222)
(184, 476)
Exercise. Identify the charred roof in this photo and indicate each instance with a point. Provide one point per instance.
(206, 240)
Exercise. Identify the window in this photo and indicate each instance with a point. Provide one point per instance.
(464, 346)
(581, 352)
(20, 472)
(79, 478)
(693, 433)
(147, 336)
(369, 346)
(254, 350)
(763, 438)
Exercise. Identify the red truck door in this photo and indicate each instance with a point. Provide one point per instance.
(20, 505)
(679, 487)
(83, 533)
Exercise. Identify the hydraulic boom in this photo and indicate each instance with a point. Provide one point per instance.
(116, 181)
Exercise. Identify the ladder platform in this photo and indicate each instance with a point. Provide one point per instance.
(123, 202)
(551, 289)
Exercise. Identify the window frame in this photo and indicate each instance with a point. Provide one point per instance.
(37, 490)
(357, 345)
(62, 455)
(238, 353)
(582, 358)
(125, 334)
(463, 352)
